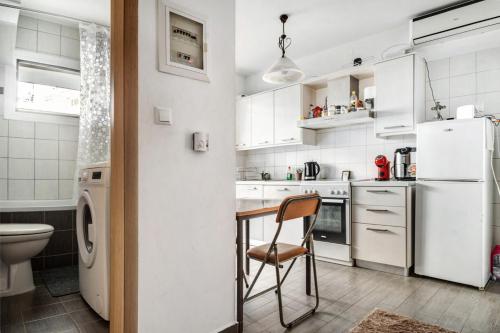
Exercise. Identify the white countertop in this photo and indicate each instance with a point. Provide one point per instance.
(354, 182)
(390, 183)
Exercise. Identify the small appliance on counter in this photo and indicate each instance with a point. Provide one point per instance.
(383, 166)
(405, 167)
(311, 170)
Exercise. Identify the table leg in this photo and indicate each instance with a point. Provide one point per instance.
(308, 259)
(247, 246)
(239, 275)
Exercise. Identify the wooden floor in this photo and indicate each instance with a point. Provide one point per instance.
(348, 294)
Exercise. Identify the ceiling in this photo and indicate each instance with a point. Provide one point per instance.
(314, 25)
(97, 11)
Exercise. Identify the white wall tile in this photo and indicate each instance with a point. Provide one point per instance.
(357, 135)
(26, 39)
(3, 168)
(68, 133)
(496, 235)
(46, 169)
(21, 148)
(463, 64)
(70, 32)
(441, 89)
(21, 189)
(21, 129)
(327, 155)
(68, 150)
(27, 22)
(4, 146)
(46, 131)
(67, 169)
(70, 48)
(488, 103)
(46, 149)
(21, 168)
(463, 85)
(49, 27)
(65, 189)
(48, 43)
(488, 59)
(3, 189)
(4, 127)
(439, 69)
(280, 159)
(46, 189)
(342, 137)
(488, 81)
(291, 158)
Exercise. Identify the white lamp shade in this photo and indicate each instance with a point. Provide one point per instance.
(283, 71)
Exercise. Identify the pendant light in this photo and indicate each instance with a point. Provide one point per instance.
(284, 70)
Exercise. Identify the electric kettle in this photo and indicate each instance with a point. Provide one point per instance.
(311, 170)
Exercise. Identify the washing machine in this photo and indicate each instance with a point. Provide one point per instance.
(92, 230)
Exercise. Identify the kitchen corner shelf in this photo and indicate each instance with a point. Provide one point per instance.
(339, 120)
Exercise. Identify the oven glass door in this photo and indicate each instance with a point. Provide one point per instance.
(331, 222)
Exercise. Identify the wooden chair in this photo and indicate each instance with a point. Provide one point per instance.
(275, 254)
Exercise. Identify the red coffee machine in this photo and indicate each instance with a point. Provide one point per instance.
(384, 170)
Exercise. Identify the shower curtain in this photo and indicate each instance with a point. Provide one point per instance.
(95, 95)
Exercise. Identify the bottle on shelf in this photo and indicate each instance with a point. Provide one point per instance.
(354, 99)
(289, 174)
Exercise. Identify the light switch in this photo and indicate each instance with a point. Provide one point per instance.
(200, 141)
(163, 116)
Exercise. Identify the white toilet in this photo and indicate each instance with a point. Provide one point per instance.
(18, 244)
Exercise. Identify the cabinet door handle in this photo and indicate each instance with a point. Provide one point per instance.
(288, 140)
(323, 236)
(378, 230)
(282, 189)
(396, 126)
(263, 142)
(376, 210)
(377, 191)
(253, 189)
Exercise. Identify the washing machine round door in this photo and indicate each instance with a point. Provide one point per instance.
(86, 229)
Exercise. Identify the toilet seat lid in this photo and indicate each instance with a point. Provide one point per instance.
(15, 229)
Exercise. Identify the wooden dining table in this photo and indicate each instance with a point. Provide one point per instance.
(246, 217)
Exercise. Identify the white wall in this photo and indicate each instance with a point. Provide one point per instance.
(186, 199)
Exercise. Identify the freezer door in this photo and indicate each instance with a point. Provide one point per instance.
(451, 150)
(449, 232)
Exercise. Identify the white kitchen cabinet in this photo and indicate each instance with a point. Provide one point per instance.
(400, 100)
(270, 119)
(263, 119)
(382, 227)
(243, 122)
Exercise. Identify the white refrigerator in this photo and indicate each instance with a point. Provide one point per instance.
(453, 225)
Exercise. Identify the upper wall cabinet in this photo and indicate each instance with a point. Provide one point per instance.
(271, 118)
(244, 121)
(263, 119)
(400, 101)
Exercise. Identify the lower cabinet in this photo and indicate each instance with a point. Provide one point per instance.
(382, 224)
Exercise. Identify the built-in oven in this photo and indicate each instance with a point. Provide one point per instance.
(333, 222)
(332, 231)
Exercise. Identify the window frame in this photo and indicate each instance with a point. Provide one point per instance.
(53, 68)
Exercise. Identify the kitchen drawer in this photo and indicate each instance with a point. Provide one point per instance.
(379, 196)
(380, 215)
(380, 244)
(249, 191)
(280, 192)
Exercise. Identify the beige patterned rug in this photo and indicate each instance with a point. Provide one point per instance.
(380, 321)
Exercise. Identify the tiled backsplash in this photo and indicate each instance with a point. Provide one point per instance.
(37, 160)
(62, 249)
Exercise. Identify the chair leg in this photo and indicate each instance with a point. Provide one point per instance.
(280, 302)
(254, 281)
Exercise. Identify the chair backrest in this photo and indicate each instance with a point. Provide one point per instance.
(298, 206)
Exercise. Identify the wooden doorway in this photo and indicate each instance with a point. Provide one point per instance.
(124, 162)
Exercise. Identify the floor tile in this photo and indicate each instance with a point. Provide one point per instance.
(62, 323)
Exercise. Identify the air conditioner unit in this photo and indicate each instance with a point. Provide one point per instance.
(455, 21)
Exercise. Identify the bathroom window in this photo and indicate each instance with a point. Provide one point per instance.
(47, 89)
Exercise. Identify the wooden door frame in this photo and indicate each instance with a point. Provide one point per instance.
(124, 167)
